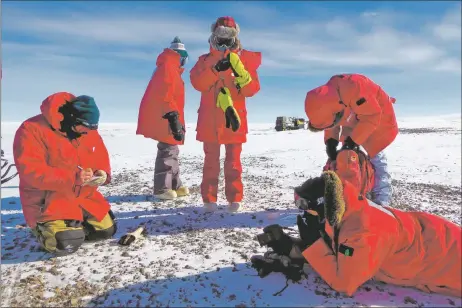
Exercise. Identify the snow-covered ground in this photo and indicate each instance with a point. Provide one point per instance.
(192, 258)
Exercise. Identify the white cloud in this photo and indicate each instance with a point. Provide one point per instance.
(111, 55)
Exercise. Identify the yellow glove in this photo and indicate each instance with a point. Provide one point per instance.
(99, 178)
(225, 102)
(242, 76)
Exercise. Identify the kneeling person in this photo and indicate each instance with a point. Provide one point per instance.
(61, 161)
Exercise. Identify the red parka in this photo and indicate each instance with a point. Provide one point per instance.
(164, 93)
(47, 166)
(413, 249)
(369, 118)
(211, 125)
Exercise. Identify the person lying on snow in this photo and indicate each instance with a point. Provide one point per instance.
(348, 241)
(225, 76)
(61, 161)
(161, 117)
(353, 109)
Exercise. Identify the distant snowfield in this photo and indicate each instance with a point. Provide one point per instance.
(192, 258)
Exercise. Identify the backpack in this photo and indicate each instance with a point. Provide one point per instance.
(355, 167)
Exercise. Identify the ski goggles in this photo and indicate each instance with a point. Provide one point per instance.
(224, 42)
(337, 118)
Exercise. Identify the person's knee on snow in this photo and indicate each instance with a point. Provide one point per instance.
(62, 160)
(382, 191)
(100, 230)
(60, 237)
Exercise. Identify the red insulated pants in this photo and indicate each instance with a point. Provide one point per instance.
(233, 172)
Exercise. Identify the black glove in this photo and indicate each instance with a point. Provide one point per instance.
(175, 125)
(308, 227)
(349, 144)
(272, 262)
(331, 148)
(223, 65)
(281, 243)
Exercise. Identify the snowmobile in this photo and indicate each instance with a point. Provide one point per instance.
(6, 167)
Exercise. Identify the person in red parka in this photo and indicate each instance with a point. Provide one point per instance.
(225, 76)
(353, 109)
(61, 160)
(161, 117)
(348, 241)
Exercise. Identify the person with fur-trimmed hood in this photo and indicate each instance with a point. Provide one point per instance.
(61, 161)
(348, 241)
(354, 110)
(225, 76)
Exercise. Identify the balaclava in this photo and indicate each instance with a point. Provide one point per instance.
(225, 34)
(80, 111)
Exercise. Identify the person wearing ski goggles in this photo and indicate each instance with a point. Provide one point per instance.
(354, 110)
(226, 76)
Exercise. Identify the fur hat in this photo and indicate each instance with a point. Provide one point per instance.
(225, 28)
(330, 187)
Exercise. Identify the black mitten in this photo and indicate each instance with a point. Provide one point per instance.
(282, 243)
(331, 148)
(175, 125)
(272, 262)
(232, 119)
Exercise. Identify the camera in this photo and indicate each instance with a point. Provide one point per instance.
(270, 234)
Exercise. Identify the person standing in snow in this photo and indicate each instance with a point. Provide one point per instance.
(355, 110)
(225, 76)
(349, 241)
(61, 161)
(161, 117)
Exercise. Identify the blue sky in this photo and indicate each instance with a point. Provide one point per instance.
(109, 49)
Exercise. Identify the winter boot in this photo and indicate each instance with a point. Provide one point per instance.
(182, 191)
(234, 206)
(167, 195)
(210, 206)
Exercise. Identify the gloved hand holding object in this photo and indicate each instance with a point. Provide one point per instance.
(175, 125)
(225, 102)
(331, 148)
(222, 65)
